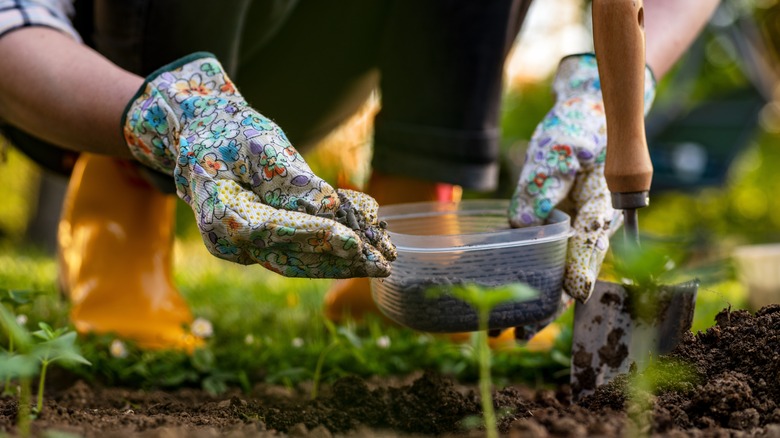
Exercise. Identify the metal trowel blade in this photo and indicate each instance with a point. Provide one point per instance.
(608, 338)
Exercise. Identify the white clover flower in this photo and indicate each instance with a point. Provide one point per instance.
(202, 328)
(21, 319)
(383, 342)
(249, 339)
(297, 342)
(118, 349)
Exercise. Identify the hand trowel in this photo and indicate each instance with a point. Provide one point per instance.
(609, 334)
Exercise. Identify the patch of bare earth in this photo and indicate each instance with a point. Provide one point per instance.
(736, 393)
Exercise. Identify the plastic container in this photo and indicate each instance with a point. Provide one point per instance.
(441, 244)
(758, 268)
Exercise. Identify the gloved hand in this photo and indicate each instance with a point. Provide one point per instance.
(565, 158)
(255, 199)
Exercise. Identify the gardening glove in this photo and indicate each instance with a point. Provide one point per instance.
(255, 199)
(565, 158)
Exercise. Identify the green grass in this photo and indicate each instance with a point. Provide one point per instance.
(270, 328)
(266, 328)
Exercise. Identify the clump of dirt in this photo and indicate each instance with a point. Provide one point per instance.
(731, 388)
(430, 405)
(736, 382)
(739, 361)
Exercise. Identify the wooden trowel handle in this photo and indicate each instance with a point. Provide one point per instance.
(619, 41)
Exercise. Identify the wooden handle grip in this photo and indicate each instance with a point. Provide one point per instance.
(619, 42)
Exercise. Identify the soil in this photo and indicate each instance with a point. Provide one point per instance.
(731, 389)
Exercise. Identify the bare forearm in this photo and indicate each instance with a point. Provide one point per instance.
(63, 91)
(670, 28)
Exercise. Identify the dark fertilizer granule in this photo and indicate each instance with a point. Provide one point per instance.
(426, 309)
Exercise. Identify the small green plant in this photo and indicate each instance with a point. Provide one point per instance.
(33, 354)
(643, 269)
(14, 299)
(340, 336)
(648, 264)
(55, 345)
(483, 300)
(20, 364)
(661, 375)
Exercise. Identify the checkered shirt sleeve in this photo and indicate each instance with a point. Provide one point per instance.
(15, 14)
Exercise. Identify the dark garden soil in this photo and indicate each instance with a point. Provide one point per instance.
(732, 390)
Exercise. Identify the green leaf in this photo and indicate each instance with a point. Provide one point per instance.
(178, 377)
(644, 264)
(18, 297)
(203, 359)
(47, 333)
(214, 385)
(18, 365)
(20, 335)
(560, 358)
(296, 372)
(61, 349)
(484, 297)
(350, 336)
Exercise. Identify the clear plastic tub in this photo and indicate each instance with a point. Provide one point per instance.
(441, 244)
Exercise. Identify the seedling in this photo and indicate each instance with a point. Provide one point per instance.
(649, 265)
(483, 300)
(58, 345)
(15, 299)
(19, 364)
(642, 270)
(340, 336)
(30, 357)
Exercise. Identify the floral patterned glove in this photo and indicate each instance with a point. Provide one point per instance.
(255, 199)
(566, 158)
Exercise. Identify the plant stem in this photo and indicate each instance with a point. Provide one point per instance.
(485, 381)
(23, 411)
(7, 387)
(318, 368)
(41, 383)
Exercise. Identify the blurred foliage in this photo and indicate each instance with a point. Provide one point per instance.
(18, 178)
(267, 328)
(745, 209)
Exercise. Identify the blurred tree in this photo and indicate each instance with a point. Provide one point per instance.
(734, 63)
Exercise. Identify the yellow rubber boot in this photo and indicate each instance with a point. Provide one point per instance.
(505, 340)
(115, 254)
(351, 298)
